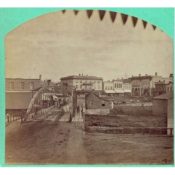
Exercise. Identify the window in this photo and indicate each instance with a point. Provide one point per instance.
(22, 85)
(103, 104)
(12, 85)
(32, 85)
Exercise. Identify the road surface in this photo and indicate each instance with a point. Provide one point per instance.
(55, 140)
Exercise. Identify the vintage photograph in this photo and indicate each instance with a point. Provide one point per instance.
(89, 87)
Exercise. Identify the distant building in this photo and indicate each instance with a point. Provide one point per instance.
(162, 87)
(169, 87)
(117, 87)
(144, 85)
(109, 87)
(127, 87)
(141, 85)
(21, 84)
(95, 104)
(19, 92)
(52, 95)
(81, 83)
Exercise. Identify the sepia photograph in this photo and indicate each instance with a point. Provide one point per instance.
(88, 87)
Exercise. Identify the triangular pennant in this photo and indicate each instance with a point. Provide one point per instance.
(144, 24)
(63, 11)
(134, 20)
(113, 16)
(76, 12)
(89, 13)
(124, 18)
(101, 14)
(154, 27)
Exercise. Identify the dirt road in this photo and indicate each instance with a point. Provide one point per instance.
(56, 142)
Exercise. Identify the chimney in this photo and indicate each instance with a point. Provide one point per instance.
(40, 76)
(155, 73)
(48, 82)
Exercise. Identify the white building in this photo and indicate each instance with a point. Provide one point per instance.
(117, 87)
(81, 83)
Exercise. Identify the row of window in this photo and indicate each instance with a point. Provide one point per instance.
(112, 88)
(22, 85)
(118, 85)
(87, 87)
(109, 88)
(115, 86)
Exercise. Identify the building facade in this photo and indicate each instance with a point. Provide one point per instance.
(144, 85)
(21, 84)
(19, 93)
(81, 83)
(127, 87)
(162, 87)
(117, 87)
(108, 87)
(141, 85)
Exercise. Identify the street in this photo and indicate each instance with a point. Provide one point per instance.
(55, 140)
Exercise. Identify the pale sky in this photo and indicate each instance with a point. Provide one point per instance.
(57, 45)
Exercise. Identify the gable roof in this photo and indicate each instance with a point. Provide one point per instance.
(93, 93)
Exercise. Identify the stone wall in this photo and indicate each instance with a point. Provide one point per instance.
(132, 110)
(98, 111)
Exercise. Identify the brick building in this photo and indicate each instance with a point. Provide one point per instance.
(93, 101)
(162, 87)
(81, 83)
(144, 85)
(19, 92)
(22, 84)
